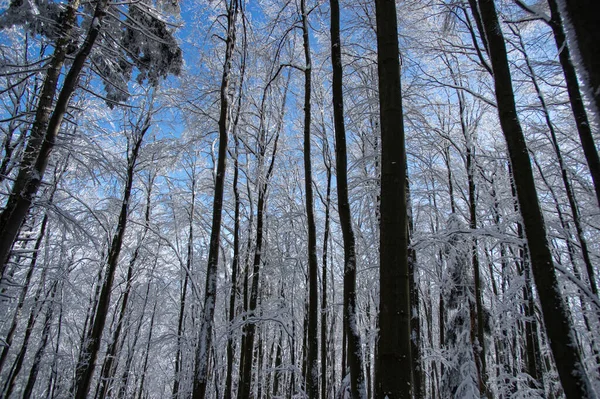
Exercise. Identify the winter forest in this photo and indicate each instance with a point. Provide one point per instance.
(299, 199)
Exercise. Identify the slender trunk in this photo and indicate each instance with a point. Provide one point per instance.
(110, 363)
(393, 378)
(182, 300)
(415, 319)
(236, 228)
(205, 337)
(324, 342)
(479, 344)
(11, 378)
(86, 365)
(558, 324)
(37, 358)
(147, 352)
(312, 382)
(355, 360)
(126, 370)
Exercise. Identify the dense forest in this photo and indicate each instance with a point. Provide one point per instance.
(299, 199)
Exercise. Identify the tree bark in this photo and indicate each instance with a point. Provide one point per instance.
(312, 383)
(584, 17)
(570, 369)
(355, 361)
(575, 97)
(393, 378)
(205, 337)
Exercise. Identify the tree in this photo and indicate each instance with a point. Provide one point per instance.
(312, 383)
(582, 15)
(393, 380)
(206, 329)
(357, 382)
(558, 324)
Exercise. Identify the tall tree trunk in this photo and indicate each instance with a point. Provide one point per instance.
(182, 300)
(110, 364)
(393, 378)
(206, 328)
(235, 265)
(575, 98)
(355, 361)
(17, 315)
(250, 326)
(312, 383)
(415, 317)
(324, 342)
(558, 324)
(479, 346)
(87, 362)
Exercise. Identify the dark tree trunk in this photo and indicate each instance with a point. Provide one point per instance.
(110, 364)
(577, 106)
(393, 379)
(563, 169)
(210, 293)
(558, 324)
(87, 362)
(355, 361)
(235, 265)
(45, 127)
(324, 342)
(250, 326)
(415, 319)
(312, 382)
(147, 352)
(17, 315)
(584, 17)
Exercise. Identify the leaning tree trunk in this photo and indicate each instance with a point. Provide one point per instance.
(355, 361)
(392, 376)
(46, 125)
(207, 320)
(584, 18)
(556, 318)
(577, 106)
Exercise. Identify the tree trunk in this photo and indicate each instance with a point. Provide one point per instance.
(87, 362)
(37, 358)
(45, 127)
(205, 337)
(584, 17)
(355, 361)
(575, 98)
(312, 382)
(570, 369)
(393, 378)
(324, 342)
